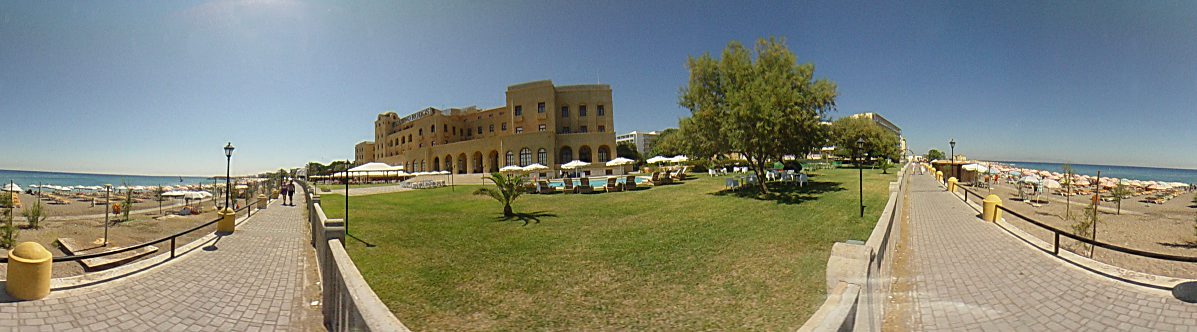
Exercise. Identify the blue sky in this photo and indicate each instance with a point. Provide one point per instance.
(159, 87)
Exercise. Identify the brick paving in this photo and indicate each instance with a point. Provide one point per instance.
(968, 275)
(253, 280)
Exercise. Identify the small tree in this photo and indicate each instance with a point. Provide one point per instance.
(1083, 227)
(1068, 193)
(128, 204)
(1120, 192)
(507, 189)
(35, 214)
(885, 165)
(8, 233)
(158, 191)
(934, 154)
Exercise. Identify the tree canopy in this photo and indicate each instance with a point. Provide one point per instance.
(878, 143)
(761, 109)
(934, 154)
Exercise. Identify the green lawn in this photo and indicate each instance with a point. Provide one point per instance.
(341, 187)
(678, 257)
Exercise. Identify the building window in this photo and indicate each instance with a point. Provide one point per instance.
(504, 126)
(421, 131)
(602, 129)
(542, 156)
(431, 129)
(539, 107)
(582, 110)
(525, 157)
(584, 154)
(604, 154)
(567, 155)
(540, 128)
(565, 111)
(601, 111)
(519, 110)
(479, 130)
(444, 128)
(582, 129)
(492, 128)
(519, 130)
(510, 158)
(564, 130)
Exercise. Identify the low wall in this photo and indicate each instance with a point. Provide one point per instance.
(858, 274)
(348, 303)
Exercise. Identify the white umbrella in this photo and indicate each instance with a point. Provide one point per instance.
(679, 159)
(1157, 186)
(241, 186)
(12, 187)
(1051, 184)
(1030, 179)
(535, 167)
(657, 159)
(511, 169)
(372, 167)
(174, 193)
(575, 164)
(620, 161)
(194, 195)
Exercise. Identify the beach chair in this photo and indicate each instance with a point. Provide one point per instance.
(680, 175)
(731, 184)
(569, 185)
(658, 180)
(543, 187)
(612, 185)
(584, 186)
(629, 183)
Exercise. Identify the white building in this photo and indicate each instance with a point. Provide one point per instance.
(641, 140)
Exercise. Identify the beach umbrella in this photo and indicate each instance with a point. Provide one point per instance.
(1081, 182)
(12, 187)
(1178, 184)
(1015, 173)
(620, 161)
(511, 169)
(657, 160)
(679, 159)
(1157, 186)
(1051, 184)
(190, 195)
(535, 167)
(574, 165)
(1030, 179)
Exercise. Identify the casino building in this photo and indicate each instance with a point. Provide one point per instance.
(540, 123)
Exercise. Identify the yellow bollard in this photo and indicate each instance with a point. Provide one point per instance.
(228, 221)
(29, 267)
(939, 176)
(952, 184)
(990, 211)
(261, 201)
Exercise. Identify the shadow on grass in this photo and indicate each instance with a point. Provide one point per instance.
(784, 193)
(527, 217)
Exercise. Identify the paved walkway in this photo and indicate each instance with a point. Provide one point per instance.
(970, 275)
(252, 280)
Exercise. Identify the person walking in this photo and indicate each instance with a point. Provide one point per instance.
(282, 194)
(291, 192)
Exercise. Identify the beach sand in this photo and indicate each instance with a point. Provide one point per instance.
(1164, 228)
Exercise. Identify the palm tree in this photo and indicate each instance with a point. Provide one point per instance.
(507, 189)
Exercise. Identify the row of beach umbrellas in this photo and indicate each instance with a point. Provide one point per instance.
(1056, 180)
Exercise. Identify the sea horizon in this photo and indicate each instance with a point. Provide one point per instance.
(1143, 173)
(26, 178)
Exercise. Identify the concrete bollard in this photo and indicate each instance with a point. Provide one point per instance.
(261, 201)
(990, 211)
(228, 221)
(952, 184)
(29, 266)
(939, 176)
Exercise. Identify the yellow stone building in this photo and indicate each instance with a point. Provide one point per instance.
(540, 123)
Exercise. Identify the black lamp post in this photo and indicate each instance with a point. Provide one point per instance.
(952, 143)
(346, 219)
(860, 171)
(107, 206)
(228, 155)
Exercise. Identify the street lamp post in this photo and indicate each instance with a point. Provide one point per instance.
(107, 206)
(955, 173)
(860, 171)
(346, 220)
(228, 155)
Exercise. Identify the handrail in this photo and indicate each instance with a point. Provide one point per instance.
(1058, 232)
(72, 258)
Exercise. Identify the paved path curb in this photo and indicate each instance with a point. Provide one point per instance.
(970, 275)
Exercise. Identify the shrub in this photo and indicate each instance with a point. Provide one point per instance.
(35, 214)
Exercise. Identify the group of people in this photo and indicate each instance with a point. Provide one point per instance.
(287, 193)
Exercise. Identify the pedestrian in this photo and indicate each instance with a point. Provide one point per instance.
(291, 192)
(282, 191)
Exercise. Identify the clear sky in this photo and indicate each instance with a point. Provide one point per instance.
(159, 87)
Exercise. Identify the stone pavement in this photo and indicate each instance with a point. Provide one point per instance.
(260, 278)
(965, 274)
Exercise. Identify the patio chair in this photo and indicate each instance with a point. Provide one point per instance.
(629, 183)
(584, 187)
(612, 185)
(568, 185)
(543, 187)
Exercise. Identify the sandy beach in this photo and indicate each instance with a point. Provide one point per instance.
(1162, 228)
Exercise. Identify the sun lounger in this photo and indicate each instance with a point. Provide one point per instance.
(584, 187)
(569, 185)
(658, 180)
(542, 187)
(629, 183)
(612, 185)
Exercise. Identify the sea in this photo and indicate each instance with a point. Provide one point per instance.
(1122, 172)
(26, 178)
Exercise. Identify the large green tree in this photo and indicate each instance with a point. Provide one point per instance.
(934, 154)
(878, 142)
(760, 108)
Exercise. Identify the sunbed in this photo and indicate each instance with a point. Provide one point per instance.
(569, 185)
(584, 187)
(629, 183)
(612, 185)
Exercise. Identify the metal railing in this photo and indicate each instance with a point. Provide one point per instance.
(248, 209)
(1057, 233)
(348, 302)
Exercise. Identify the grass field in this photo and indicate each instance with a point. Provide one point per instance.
(677, 257)
(341, 187)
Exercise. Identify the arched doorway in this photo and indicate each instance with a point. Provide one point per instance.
(567, 155)
(461, 164)
(493, 165)
(436, 163)
(449, 163)
(604, 154)
(477, 162)
(584, 154)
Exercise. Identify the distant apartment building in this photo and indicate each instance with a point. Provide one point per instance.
(641, 140)
(884, 123)
(363, 152)
(540, 123)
